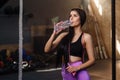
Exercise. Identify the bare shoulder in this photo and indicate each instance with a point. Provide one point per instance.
(87, 36)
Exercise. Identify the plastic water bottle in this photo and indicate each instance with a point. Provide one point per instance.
(64, 25)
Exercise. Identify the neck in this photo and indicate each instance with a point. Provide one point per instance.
(77, 30)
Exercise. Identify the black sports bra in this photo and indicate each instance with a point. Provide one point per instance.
(76, 48)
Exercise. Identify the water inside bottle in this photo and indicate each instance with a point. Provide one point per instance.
(66, 24)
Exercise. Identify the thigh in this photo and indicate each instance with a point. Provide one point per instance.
(82, 75)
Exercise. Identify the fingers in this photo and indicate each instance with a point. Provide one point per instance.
(58, 28)
(70, 69)
(59, 23)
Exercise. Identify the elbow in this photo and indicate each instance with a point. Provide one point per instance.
(93, 60)
(46, 50)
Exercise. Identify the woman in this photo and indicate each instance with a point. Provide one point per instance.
(72, 45)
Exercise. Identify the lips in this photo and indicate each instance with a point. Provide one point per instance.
(71, 22)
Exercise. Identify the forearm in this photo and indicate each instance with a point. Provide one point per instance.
(49, 43)
(86, 64)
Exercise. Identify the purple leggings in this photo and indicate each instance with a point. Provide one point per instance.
(80, 75)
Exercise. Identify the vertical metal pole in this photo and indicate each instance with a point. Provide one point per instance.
(113, 40)
(20, 39)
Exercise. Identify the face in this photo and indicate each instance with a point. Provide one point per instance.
(74, 18)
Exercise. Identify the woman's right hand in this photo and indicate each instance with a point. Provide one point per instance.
(57, 28)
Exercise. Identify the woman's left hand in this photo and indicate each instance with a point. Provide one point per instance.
(72, 69)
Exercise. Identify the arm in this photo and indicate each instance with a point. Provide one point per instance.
(51, 43)
(90, 52)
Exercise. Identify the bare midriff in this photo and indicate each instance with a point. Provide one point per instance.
(72, 59)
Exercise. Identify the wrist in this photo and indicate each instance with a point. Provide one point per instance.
(54, 34)
(78, 68)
